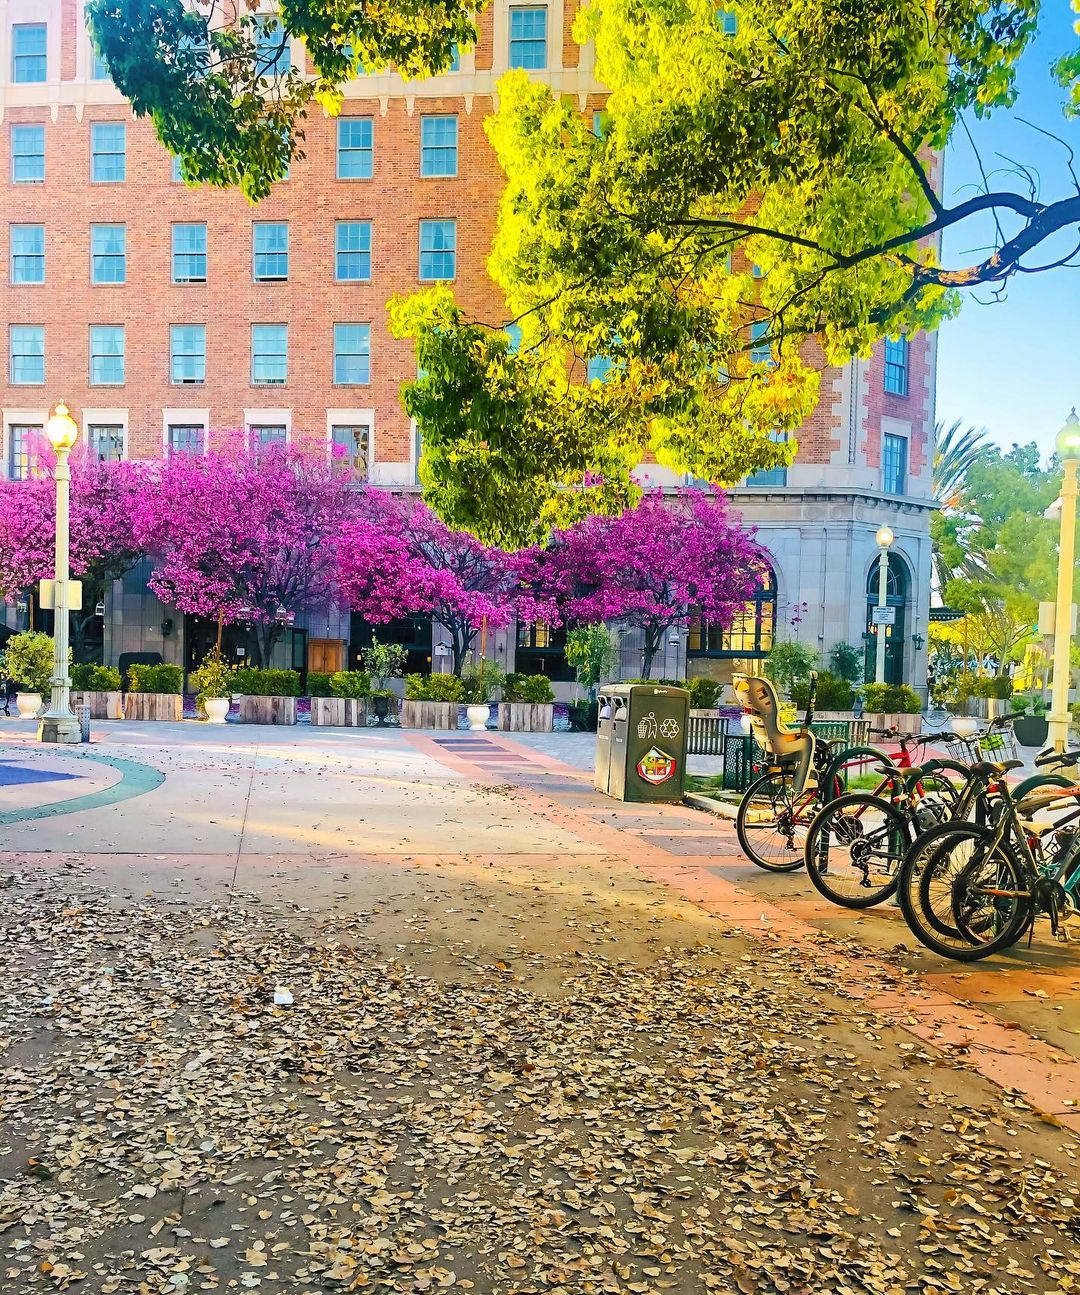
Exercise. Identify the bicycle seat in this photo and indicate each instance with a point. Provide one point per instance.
(995, 768)
(757, 695)
(1056, 757)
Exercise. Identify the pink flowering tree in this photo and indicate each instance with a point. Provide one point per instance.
(654, 566)
(242, 537)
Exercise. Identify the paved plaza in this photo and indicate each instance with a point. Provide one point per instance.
(311, 1010)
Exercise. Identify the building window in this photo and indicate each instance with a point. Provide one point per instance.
(271, 251)
(896, 366)
(28, 154)
(455, 58)
(352, 444)
(28, 254)
(26, 356)
(262, 435)
(108, 152)
(761, 346)
(438, 249)
(355, 148)
(598, 368)
(106, 442)
(99, 69)
(770, 476)
(187, 354)
(108, 253)
(513, 334)
(177, 170)
(528, 37)
(28, 58)
(22, 441)
(352, 354)
(185, 438)
(542, 650)
(269, 354)
(107, 359)
(599, 123)
(728, 22)
(438, 146)
(894, 464)
(189, 254)
(272, 48)
(352, 251)
(752, 630)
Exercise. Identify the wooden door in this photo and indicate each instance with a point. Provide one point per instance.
(326, 656)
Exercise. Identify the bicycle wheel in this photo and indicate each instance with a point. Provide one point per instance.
(917, 856)
(977, 891)
(772, 822)
(854, 850)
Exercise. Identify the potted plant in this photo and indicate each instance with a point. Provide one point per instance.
(1030, 724)
(28, 661)
(383, 662)
(527, 705)
(593, 651)
(432, 701)
(97, 686)
(481, 680)
(892, 706)
(155, 692)
(213, 683)
(267, 696)
(344, 703)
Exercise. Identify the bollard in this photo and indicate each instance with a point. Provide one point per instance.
(82, 714)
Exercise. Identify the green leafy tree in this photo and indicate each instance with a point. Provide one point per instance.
(593, 653)
(957, 450)
(998, 619)
(789, 663)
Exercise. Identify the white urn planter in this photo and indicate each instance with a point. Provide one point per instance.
(965, 725)
(216, 709)
(478, 716)
(29, 703)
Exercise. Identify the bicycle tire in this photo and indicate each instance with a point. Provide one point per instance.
(753, 793)
(833, 777)
(911, 869)
(1038, 780)
(827, 873)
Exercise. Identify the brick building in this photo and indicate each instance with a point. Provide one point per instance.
(162, 313)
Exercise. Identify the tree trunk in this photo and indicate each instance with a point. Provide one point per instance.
(461, 640)
(265, 636)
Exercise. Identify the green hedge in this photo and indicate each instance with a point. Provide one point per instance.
(318, 684)
(703, 692)
(350, 683)
(155, 678)
(252, 682)
(533, 689)
(95, 678)
(998, 686)
(833, 693)
(434, 687)
(891, 699)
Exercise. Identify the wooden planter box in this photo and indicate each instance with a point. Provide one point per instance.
(429, 714)
(339, 712)
(902, 723)
(167, 706)
(103, 705)
(267, 710)
(526, 717)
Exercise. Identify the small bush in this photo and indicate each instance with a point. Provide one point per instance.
(583, 716)
(1028, 703)
(354, 684)
(833, 693)
(846, 662)
(434, 687)
(703, 692)
(318, 684)
(28, 660)
(480, 688)
(891, 699)
(998, 686)
(90, 677)
(253, 682)
(533, 689)
(156, 678)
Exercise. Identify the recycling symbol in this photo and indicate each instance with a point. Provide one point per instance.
(669, 728)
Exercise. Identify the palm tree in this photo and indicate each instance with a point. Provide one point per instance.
(957, 451)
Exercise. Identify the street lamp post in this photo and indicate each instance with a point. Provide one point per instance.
(884, 539)
(1068, 448)
(59, 724)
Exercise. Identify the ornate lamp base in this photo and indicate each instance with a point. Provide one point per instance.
(64, 729)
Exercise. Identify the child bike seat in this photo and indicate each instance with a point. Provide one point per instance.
(794, 747)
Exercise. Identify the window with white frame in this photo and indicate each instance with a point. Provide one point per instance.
(598, 368)
(352, 251)
(455, 58)
(189, 253)
(897, 356)
(185, 438)
(269, 354)
(770, 476)
(355, 148)
(894, 464)
(23, 442)
(27, 154)
(352, 354)
(108, 152)
(351, 443)
(528, 37)
(27, 254)
(107, 355)
(187, 354)
(513, 333)
(99, 69)
(438, 250)
(270, 242)
(29, 60)
(761, 351)
(177, 170)
(26, 355)
(439, 146)
(262, 435)
(108, 253)
(272, 47)
(105, 442)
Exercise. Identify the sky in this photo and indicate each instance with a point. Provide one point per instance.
(1013, 366)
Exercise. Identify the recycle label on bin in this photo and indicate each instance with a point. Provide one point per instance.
(656, 766)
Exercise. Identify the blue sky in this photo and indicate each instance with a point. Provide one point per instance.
(1013, 367)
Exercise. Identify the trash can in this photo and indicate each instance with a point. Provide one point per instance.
(645, 750)
(602, 769)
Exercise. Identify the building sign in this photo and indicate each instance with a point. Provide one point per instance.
(884, 616)
(656, 766)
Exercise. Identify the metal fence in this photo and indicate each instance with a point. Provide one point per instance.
(721, 736)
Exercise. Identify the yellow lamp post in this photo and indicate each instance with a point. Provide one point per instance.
(58, 724)
(884, 539)
(1068, 448)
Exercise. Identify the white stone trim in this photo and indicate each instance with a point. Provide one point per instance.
(181, 417)
(106, 418)
(268, 418)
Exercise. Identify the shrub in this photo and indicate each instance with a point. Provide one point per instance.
(788, 662)
(583, 716)
(384, 661)
(318, 684)
(253, 682)
(703, 692)
(534, 689)
(212, 679)
(155, 678)
(28, 659)
(891, 699)
(95, 678)
(434, 687)
(481, 688)
(1028, 703)
(354, 684)
(833, 693)
(846, 662)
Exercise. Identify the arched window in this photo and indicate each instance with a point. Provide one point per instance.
(752, 630)
(897, 588)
